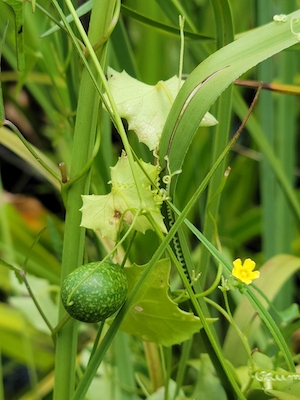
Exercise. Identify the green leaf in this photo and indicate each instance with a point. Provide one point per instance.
(108, 213)
(153, 316)
(163, 27)
(289, 314)
(262, 361)
(21, 342)
(172, 30)
(205, 84)
(161, 395)
(208, 385)
(280, 395)
(25, 304)
(18, 8)
(2, 112)
(146, 107)
(80, 11)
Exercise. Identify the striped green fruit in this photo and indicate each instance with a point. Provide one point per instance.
(94, 291)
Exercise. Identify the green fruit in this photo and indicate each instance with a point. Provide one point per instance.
(98, 296)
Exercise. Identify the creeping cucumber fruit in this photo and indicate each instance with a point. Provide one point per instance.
(94, 291)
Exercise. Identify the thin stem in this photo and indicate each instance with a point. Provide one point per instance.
(23, 276)
(181, 26)
(265, 316)
(214, 285)
(96, 360)
(97, 339)
(61, 323)
(128, 249)
(183, 365)
(82, 149)
(213, 341)
(30, 149)
(112, 105)
(236, 328)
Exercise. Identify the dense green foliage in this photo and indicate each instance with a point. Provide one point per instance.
(126, 168)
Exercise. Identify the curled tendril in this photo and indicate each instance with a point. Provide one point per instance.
(163, 194)
(168, 178)
(294, 21)
(268, 377)
(195, 277)
(160, 196)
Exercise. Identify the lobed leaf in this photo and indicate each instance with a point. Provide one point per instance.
(108, 213)
(146, 107)
(153, 316)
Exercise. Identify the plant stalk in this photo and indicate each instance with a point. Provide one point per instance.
(84, 138)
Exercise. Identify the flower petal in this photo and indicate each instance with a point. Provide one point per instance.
(249, 264)
(237, 264)
(244, 272)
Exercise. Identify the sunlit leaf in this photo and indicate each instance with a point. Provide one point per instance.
(146, 107)
(108, 213)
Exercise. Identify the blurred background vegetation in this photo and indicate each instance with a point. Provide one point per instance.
(254, 218)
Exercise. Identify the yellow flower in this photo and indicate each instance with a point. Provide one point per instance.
(244, 272)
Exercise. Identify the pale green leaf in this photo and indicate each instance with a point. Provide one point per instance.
(108, 213)
(24, 303)
(208, 385)
(160, 393)
(153, 316)
(146, 107)
(21, 342)
(262, 361)
(280, 395)
(290, 313)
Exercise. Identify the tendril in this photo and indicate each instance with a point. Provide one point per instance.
(167, 179)
(268, 377)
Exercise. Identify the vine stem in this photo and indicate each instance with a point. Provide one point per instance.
(111, 107)
(101, 350)
(213, 341)
(74, 236)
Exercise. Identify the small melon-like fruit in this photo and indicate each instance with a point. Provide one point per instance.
(98, 296)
